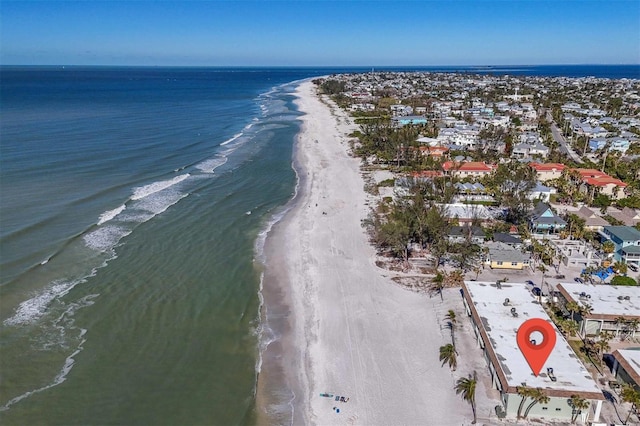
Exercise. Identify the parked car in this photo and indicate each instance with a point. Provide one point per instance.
(579, 280)
(559, 277)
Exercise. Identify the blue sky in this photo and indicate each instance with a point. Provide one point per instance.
(313, 33)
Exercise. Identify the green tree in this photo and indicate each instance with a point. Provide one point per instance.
(622, 280)
(466, 386)
(577, 404)
(631, 395)
(538, 397)
(448, 355)
(437, 284)
(524, 393)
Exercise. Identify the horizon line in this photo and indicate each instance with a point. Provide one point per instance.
(319, 66)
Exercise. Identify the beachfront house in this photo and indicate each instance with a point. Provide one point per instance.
(496, 311)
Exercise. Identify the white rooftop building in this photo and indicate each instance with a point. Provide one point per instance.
(497, 311)
(610, 304)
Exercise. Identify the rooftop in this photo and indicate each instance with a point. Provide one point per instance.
(499, 327)
(604, 299)
(630, 361)
(547, 166)
(625, 233)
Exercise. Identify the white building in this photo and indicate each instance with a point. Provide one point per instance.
(497, 311)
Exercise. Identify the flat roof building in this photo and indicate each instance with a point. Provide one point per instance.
(626, 366)
(497, 311)
(610, 305)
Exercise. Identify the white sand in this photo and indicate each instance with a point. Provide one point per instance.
(356, 333)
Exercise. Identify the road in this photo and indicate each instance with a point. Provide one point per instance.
(565, 148)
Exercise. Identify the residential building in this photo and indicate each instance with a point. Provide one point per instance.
(504, 256)
(467, 169)
(592, 221)
(626, 366)
(497, 310)
(548, 171)
(594, 182)
(542, 193)
(626, 241)
(509, 239)
(409, 119)
(464, 234)
(611, 308)
(627, 216)
(544, 221)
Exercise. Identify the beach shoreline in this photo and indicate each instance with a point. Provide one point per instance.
(340, 325)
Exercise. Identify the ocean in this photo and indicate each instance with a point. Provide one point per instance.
(134, 207)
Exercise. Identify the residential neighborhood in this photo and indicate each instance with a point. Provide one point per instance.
(531, 184)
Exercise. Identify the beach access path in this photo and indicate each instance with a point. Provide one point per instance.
(357, 334)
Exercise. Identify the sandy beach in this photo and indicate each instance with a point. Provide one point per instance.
(344, 327)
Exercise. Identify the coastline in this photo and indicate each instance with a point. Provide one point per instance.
(341, 325)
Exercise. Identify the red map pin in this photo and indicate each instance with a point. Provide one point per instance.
(536, 353)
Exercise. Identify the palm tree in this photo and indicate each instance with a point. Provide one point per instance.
(452, 321)
(608, 247)
(524, 392)
(631, 395)
(573, 307)
(437, 284)
(577, 404)
(467, 387)
(448, 356)
(539, 397)
(602, 345)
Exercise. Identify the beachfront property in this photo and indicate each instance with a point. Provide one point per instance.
(496, 311)
(464, 234)
(614, 309)
(626, 241)
(467, 213)
(544, 221)
(504, 256)
(626, 366)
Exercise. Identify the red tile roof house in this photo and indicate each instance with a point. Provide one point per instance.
(548, 171)
(593, 179)
(469, 169)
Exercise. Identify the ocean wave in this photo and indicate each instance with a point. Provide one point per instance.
(32, 309)
(60, 377)
(208, 166)
(233, 138)
(159, 202)
(146, 190)
(106, 237)
(110, 214)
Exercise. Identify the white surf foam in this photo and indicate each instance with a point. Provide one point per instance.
(159, 202)
(60, 377)
(233, 138)
(146, 190)
(208, 166)
(110, 214)
(32, 309)
(105, 237)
